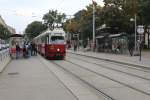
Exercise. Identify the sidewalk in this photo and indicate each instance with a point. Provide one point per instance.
(146, 54)
(123, 59)
(29, 79)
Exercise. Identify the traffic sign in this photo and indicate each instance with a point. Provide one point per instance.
(140, 29)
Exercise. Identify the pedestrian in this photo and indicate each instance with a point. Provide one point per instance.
(75, 46)
(17, 51)
(29, 48)
(24, 50)
(84, 45)
(130, 47)
(34, 50)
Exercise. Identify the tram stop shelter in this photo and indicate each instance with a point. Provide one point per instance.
(112, 43)
(13, 40)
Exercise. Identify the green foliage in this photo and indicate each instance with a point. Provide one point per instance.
(145, 9)
(53, 17)
(82, 22)
(4, 32)
(114, 14)
(34, 29)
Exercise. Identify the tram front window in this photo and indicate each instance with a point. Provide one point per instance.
(57, 39)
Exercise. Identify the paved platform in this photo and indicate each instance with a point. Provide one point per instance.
(28, 79)
(123, 59)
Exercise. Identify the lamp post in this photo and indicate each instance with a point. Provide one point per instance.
(135, 33)
(135, 24)
(93, 25)
(140, 30)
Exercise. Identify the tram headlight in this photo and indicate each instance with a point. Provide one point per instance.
(58, 49)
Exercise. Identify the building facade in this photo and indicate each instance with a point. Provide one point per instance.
(2, 21)
(11, 29)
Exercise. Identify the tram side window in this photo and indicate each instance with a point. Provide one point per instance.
(54, 38)
(43, 39)
(47, 39)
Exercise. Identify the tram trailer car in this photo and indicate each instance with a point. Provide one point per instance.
(51, 44)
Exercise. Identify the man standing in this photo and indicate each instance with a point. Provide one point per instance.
(75, 45)
(131, 47)
(17, 51)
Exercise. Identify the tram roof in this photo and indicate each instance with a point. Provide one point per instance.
(56, 30)
(44, 33)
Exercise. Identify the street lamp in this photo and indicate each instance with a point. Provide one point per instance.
(93, 25)
(131, 19)
(135, 30)
(135, 23)
(140, 30)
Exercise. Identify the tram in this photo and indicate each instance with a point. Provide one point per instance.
(51, 44)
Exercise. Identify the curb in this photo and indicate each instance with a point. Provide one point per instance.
(115, 61)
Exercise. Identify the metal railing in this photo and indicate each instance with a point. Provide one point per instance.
(4, 51)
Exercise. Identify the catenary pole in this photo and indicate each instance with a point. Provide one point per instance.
(93, 25)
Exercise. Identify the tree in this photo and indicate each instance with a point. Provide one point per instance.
(86, 26)
(4, 32)
(82, 22)
(115, 14)
(49, 18)
(145, 8)
(53, 17)
(34, 29)
(73, 25)
(60, 18)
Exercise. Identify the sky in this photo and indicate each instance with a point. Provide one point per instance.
(20, 13)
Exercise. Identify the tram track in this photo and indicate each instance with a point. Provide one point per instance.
(87, 83)
(92, 85)
(62, 65)
(103, 66)
(107, 97)
(59, 79)
(134, 66)
(105, 76)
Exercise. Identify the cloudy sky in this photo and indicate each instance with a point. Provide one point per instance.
(19, 13)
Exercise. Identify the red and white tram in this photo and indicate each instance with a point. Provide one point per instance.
(51, 44)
